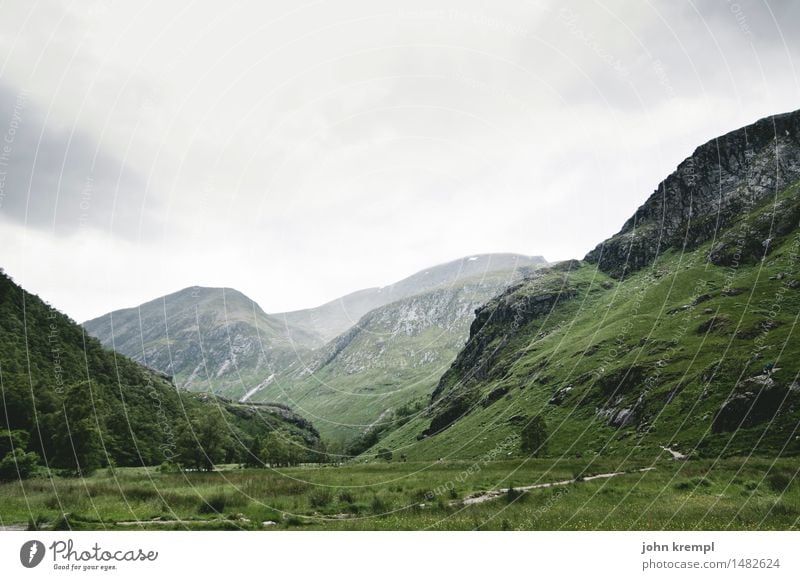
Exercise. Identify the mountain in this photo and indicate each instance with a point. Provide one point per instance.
(219, 340)
(333, 318)
(717, 186)
(77, 405)
(366, 379)
(677, 333)
(209, 339)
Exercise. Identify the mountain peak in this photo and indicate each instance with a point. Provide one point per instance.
(722, 179)
(331, 319)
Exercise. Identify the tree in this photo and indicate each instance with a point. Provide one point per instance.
(13, 439)
(534, 437)
(17, 465)
(204, 440)
(384, 454)
(76, 439)
(279, 450)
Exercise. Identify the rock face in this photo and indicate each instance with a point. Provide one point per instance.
(756, 401)
(495, 325)
(722, 180)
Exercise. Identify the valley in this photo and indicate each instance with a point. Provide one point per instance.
(653, 384)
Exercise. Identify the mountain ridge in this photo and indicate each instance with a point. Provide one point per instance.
(726, 175)
(334, 317)
(220, 340)
(602, 348)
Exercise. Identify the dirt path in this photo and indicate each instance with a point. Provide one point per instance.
(495, 493)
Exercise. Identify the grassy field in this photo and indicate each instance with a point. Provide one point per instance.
(734, 493)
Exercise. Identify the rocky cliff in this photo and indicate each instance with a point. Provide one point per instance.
(708, 192)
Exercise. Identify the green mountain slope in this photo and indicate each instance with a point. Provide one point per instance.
(209, 339)
(334, 318)
(679, 332)
(78, 405)
(366, 379)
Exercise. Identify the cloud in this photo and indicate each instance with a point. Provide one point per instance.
(301, 152)
(59, 180)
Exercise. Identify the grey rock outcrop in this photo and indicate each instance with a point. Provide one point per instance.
(721, 180)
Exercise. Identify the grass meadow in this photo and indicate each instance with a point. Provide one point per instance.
(729, 494)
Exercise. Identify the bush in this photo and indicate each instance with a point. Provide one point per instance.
(37, 523)
(379, 505)
(214, 504)
(779, 482)
(62, 524)
(534, 437)
(17, 465)
(140, 493)
(513, 495)
(320, 497)
(384, 454)
(168, 467)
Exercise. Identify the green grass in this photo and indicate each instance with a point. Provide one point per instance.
(733, 493)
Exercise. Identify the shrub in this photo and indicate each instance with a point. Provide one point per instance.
(17, 465)
(37, 523)
(140, 493)
(779, 481)
(214, 504)
(320, 497)
(534, 437)
(379, 505)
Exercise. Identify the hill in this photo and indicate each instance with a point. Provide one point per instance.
(78, 406)
(208, 339)
(676, 333)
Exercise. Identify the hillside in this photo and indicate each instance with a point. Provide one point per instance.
(368, 378)
(678, 332)
(78, 405)
(333, 318)
(208, 339)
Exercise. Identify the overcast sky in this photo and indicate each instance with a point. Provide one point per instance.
(298, 151)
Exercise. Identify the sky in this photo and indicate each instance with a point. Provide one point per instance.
(298, 151)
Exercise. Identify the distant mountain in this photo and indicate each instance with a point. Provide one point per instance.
(79, 406)
(333, 318)
(400, 337)
(208, 339)
(678, 333)
(365, 379)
